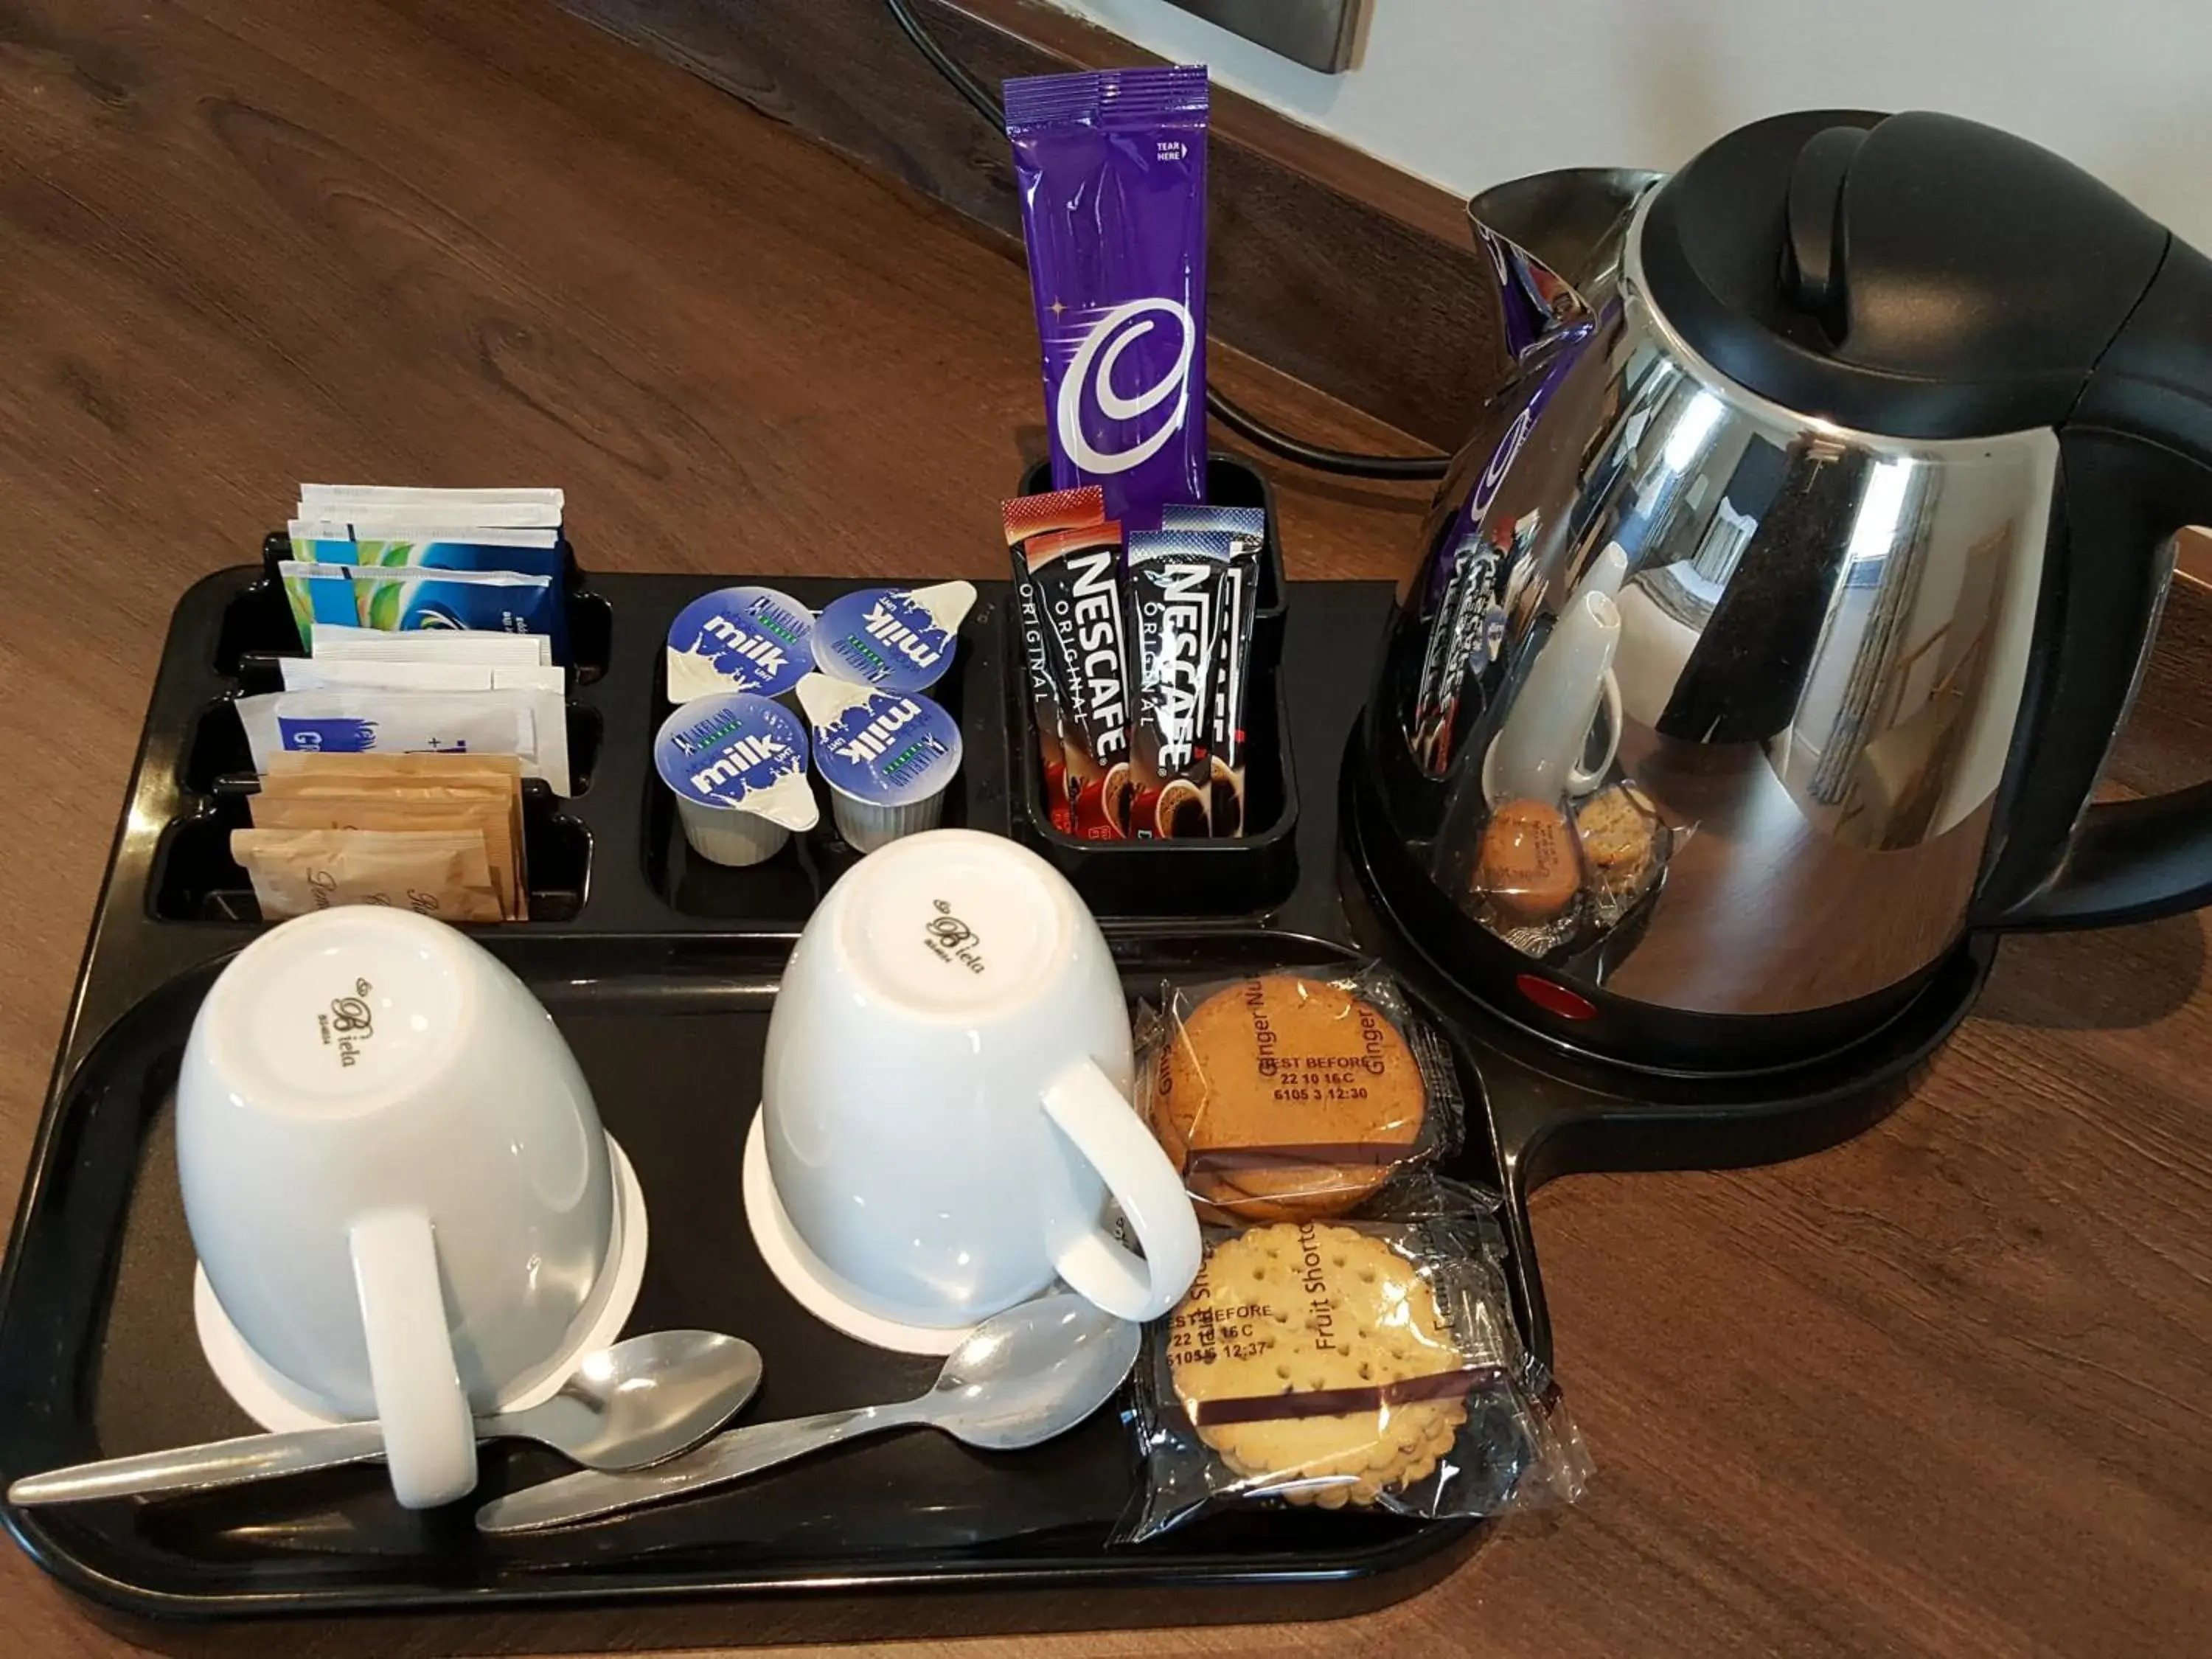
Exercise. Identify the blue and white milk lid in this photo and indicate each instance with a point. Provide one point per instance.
(739, 751)
(887, 748)
(738, 639)
(897, 639)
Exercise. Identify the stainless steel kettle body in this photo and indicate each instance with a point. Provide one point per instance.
(1699, 705)
(1820, 642)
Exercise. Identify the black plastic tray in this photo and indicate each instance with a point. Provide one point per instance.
(661, 969)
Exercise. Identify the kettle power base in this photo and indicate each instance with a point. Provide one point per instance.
(661, 971)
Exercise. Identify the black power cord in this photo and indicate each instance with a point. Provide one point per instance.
(1343, 462)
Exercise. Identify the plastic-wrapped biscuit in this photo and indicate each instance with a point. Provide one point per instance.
(1295, 1097)
(1315, 1358)
(1625, 845)
(1369, 1365)
(1527, 866)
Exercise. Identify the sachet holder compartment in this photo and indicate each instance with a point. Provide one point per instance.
(1248, 874)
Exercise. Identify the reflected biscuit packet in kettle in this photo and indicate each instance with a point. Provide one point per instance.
(1553, 880)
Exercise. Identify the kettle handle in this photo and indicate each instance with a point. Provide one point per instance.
(2130, 860)
(2134, 467)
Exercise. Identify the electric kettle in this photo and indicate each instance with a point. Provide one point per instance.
(1775, 623)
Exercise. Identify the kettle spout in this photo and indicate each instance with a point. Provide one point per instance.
(1554, 240)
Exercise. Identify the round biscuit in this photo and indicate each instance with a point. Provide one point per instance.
(1285, 1061)
(1308, 1307)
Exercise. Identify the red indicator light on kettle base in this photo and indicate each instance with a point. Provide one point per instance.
(1555, 999)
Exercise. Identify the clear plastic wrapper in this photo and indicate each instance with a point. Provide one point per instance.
(1626, 845)
(1371, 1364)
(1552, 878)
(1297, 1095)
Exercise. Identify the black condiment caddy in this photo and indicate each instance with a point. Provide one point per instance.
(661, 969)
(1225, 876)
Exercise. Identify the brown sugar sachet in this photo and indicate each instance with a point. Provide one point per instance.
(296, 872)
(397, 793)
(487, 820)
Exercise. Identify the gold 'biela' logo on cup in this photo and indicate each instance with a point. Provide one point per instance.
(349, 1025)
(948, 938)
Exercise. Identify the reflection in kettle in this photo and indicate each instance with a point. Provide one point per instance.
(1765, 667)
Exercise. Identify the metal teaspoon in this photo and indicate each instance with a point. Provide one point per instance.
(1016, 1380)
(633, 1404)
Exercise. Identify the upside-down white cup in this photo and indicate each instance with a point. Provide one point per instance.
(945, 1099)
(395, 1178)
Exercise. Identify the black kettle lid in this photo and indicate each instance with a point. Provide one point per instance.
(1916, 275)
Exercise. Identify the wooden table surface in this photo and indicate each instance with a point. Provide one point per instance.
(1942, 1390)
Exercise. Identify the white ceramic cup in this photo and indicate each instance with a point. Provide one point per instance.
(1537, 754)
(946, 1098)
(395, 1178)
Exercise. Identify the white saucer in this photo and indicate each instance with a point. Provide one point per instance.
(801, 1273)
(278, 1404)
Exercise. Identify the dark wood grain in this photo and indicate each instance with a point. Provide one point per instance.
(1333, 269)
(1940, 1391)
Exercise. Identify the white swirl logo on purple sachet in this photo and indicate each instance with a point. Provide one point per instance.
(739, 639)
(1109, 419)
(740, 751)
(894, 638)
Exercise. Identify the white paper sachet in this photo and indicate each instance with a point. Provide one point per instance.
(360, 720)
(546, 687)
(495, 505)
(329, 673)
(308, 570)
(336, 642)
(420, 529)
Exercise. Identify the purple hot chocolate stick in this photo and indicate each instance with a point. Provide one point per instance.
(1112, 166)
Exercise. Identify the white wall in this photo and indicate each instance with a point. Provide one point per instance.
(1468, 92)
